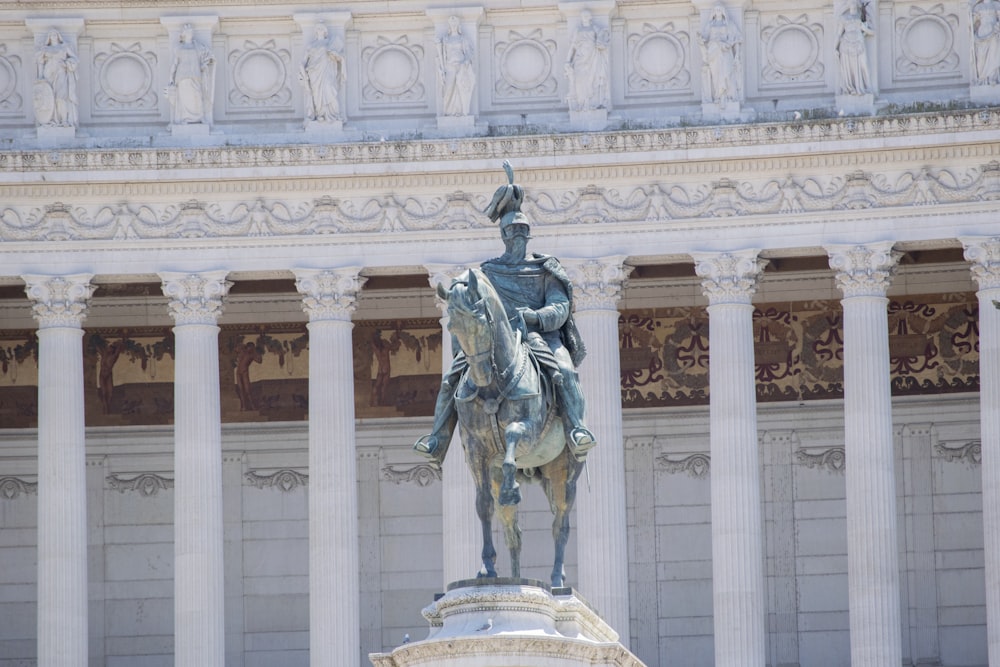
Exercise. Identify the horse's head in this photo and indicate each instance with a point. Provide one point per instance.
(472, 321)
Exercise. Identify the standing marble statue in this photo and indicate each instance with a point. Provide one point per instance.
(852, 50)
(54, 92)
(191, 85)
(587, 67)
(537, 295)
(322, 73)
(722, 59)
(985, 42)
(456, 74)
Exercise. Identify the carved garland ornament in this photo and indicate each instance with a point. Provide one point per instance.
(927, 42)
(10, 99)
(125, 78)
(659, 59)
(792, 51)
(524, 66)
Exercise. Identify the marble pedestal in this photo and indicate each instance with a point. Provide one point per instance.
(511, 622)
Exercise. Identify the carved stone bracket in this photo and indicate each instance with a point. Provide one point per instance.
(147, 484)
(832, 460)
(284, 480)
(14, 487)
(422, 474)
(970, 453)
(693, 465)
(329, 294)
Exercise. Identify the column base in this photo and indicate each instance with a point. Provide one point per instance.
(489, 622)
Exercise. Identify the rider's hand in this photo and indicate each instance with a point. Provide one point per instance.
(530, 317)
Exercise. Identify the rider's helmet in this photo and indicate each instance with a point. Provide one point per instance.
(506, 207)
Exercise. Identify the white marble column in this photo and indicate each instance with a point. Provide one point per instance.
(863, 274)
(195, 302)
(329, 297)
(60, 304)
(461, 531)
(984, 254)
(729, 281)
(601, 523)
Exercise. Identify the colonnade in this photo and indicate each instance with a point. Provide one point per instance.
(863, 274)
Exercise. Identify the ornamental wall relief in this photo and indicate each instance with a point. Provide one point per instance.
(11, 101)
(658, 59)
(791, 51)
(392, 71)
(523, 67)
(926, 40)
(124, 78)
(259, 76)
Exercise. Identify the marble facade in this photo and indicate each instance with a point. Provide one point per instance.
(177, 296)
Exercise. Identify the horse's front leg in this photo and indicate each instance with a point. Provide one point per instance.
(510, 493)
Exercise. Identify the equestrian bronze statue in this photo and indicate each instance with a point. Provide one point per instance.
(513, 388)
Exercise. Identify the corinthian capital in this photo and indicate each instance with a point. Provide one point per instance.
(195, 298)
(864, 270)
(59, 301)
(984, 255)
(329, 294)
(443, 274)
(597, 283)
(729, 277)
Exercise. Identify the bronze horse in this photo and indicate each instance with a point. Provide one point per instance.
(511, 429)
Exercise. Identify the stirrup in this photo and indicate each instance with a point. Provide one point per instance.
(582, 442)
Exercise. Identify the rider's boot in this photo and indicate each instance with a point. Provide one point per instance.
(578, 436)
(434, 445)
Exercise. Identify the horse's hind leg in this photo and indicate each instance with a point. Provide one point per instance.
(559, 481)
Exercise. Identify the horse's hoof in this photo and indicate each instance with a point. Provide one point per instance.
(510, 496)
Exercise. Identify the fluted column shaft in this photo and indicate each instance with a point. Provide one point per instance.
(330, 298)
(985, 257)
(602, 536)
(863, 276)
(729, 281)
(195, 302)
(461, 533)
(60, 304)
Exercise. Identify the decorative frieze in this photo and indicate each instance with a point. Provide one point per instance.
(832, 459)
(970, 453)
(422, 474)
(145, 484)
(284, 480)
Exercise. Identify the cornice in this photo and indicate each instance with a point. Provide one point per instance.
(626, 154)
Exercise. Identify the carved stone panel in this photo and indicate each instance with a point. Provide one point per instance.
(392, 71)
(258, 75)
(925, 42)
(658, 59)
(523, 66)
(124, 77)
(790, 50)
(11, 101)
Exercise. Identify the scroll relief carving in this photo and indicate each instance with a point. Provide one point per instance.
(125, 78)
(260, 75)
(422, 474)
(970, 453)
(693, 465)
(14, 487)
(523, 66)
(10, 66)
(791, 51)
(590, 205)
(285, 480)
(832, 460)
(658, 58)
(927, 42)
(146, 484)
(392, 71)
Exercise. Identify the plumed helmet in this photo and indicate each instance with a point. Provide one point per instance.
(506, 206)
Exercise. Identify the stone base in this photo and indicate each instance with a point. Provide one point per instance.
(503, 622)
(593, 120)
(729, 112)
(324, 126)
(190, 130)
(456, 122)
(855, 105)
(985, 94)
(49, 135)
